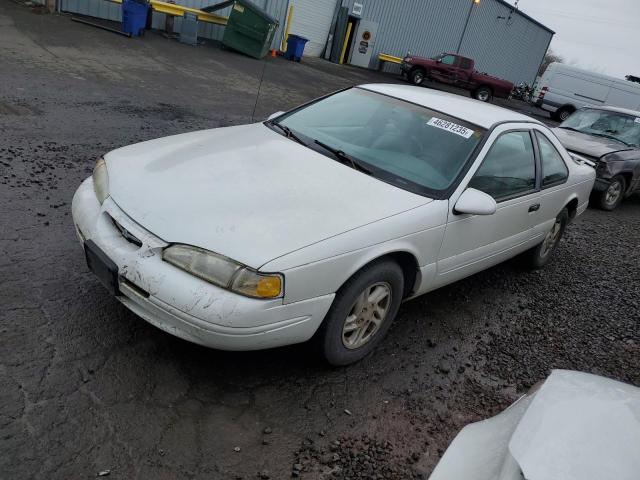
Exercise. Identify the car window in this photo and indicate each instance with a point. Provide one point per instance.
(509, 168)
(554, 170)
(465, 63)
(448, 59)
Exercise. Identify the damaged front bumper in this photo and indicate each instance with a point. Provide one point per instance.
(180, 303)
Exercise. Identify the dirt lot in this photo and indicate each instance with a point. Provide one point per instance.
(86, 386)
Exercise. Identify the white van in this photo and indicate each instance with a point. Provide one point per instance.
(563, 89)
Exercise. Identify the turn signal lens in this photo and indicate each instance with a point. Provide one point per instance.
(254, 284)
(269, 287)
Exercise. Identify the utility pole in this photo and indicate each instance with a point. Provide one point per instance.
(466, 23)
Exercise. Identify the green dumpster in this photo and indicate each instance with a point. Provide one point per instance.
(249, 29)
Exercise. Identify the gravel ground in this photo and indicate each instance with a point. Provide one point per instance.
(87, 387)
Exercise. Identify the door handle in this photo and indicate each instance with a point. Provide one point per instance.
(534, 208)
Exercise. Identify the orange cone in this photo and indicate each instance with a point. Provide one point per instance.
(273, 52)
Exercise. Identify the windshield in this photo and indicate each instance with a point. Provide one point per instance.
(617, 126)
(408, 145)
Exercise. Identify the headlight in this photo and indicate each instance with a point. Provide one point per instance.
(224, 272)
(407, 59)
(101, 180)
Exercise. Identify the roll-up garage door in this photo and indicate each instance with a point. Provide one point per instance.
(312, 20)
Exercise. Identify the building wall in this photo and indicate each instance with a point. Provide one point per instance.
(511, 48)
(112, 11)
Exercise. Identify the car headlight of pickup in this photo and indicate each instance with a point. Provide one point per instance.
(224, 272)
(101, 180)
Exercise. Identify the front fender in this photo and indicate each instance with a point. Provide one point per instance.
(322, 268)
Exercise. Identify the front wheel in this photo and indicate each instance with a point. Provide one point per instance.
(612, 196)
(417, 76)
(361, 313)
(540, 255)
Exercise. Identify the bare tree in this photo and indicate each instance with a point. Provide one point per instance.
(549, 58)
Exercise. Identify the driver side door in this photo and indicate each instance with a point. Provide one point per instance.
(445, 70)
(509, 173)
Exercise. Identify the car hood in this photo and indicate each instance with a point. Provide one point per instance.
(580, 427)
(246, 192)
(585, 144)
(577, 426)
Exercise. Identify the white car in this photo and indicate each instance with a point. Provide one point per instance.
(320, 221)
(574, 426)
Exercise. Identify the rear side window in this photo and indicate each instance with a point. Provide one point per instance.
(509, 169)
(465, 63)
(554, 170)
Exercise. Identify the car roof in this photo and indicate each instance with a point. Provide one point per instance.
(481, 114)
(626, 111)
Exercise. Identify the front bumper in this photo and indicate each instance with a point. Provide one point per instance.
(180, 303)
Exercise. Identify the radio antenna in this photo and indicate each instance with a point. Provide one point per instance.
(255, 106)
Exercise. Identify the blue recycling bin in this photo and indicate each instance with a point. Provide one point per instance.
(295, 47)
(134, 16)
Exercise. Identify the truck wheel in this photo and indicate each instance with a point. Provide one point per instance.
(563, 113)
(417, 76)
(482, 93)
(610, 198)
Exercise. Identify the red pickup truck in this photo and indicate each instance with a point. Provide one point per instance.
(458, 71)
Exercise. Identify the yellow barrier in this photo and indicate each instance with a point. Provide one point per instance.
(383, 57)
(179, 11)
(285, 37)
(346, 41)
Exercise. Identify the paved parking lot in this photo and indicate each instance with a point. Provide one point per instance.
(86, 386)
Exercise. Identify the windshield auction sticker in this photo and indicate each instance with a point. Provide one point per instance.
(450, 127)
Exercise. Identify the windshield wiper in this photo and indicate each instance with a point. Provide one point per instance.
(288, 133)
(344, 158)
(606, 135)
(572, 129)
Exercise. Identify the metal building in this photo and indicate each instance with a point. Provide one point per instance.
(502, 40)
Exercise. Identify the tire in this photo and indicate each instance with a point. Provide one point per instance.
(540, 255)
(417, 76)
(563, 113)
(482, 93)
(613, 195)
(342, 341)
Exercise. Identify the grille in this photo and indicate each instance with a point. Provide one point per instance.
(128, 236)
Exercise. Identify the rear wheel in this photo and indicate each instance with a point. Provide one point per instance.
(613, 195)
(539, 256)
(361, 313)
(482, 93)
(563, 113)
(417, 76)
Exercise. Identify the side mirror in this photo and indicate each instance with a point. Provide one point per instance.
(439, 60)
(475, 202)
(274, 115)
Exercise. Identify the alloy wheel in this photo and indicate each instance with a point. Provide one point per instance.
(552, 238)
(367, 315)
(613, 193)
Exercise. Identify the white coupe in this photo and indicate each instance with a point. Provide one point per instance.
(319, 222)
